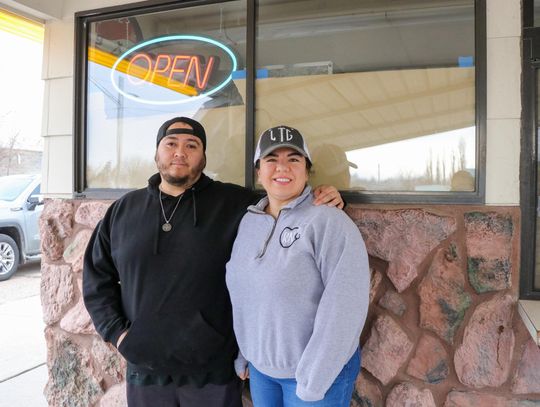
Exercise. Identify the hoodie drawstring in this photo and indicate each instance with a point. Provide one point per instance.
(194, 207)
(158, 231)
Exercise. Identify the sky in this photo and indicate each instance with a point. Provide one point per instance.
(409, 157)
(21, 91)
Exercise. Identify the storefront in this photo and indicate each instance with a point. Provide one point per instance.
(387, 95)
(412, 109)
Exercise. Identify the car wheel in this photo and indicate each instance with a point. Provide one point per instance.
(9, 257)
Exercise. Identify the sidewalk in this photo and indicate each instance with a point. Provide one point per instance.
(23, 372)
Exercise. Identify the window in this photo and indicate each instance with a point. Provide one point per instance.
(536, 13)
(529, 194)
(385, 95)
(143, 70)
(390, 95)
(12, 186)
(36, 190)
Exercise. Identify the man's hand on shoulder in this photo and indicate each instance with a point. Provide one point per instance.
(328, 195)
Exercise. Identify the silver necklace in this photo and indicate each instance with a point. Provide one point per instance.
(166, 227)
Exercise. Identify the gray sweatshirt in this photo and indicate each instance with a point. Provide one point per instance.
(299, 286)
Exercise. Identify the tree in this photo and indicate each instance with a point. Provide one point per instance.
(12, 141)
(429, 167)
(462, 147)
(8, 144)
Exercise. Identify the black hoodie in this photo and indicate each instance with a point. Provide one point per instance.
(167, 288)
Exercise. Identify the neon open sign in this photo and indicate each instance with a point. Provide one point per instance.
(171, 70)
(177, 70)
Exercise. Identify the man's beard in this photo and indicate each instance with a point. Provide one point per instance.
(176, 181)
(184, 181)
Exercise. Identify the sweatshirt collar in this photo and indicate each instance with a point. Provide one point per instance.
(260, 206)
(153, 190)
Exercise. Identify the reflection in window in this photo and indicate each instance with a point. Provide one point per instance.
(536, 13)
(448, 164)
(149, 68)
(385, 96)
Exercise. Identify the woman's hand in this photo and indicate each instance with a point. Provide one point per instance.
(244, 375)
(241, 366)
(328, 195)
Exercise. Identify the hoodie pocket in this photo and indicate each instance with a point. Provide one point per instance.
(196, 341)
(171, 340)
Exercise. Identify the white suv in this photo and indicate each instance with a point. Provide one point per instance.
(20, 207)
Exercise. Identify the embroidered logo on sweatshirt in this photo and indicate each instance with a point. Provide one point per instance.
(288, 236)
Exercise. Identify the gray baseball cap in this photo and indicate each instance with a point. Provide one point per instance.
(278, 137)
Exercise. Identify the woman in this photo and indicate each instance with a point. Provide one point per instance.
(298, 278)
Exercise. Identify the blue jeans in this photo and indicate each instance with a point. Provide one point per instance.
(267, 391)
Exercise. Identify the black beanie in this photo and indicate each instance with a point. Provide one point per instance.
(198, 129)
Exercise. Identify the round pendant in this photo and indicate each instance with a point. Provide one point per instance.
(166, 227)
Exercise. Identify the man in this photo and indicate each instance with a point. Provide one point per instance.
(154, 277)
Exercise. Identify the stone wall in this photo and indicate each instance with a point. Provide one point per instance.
(442, 330)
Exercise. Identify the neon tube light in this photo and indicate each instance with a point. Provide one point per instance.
(194, 65)
(108, 60)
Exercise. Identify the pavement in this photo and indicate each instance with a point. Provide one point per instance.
(23, 351)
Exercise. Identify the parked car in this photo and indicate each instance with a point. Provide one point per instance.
(20, 207)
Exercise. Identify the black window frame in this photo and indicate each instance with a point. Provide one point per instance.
(82, 19)
(529, 152)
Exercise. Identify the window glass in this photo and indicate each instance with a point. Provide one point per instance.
(383, 91)
(36, 190)
(536, 13)
(146, 69)
(12, 186)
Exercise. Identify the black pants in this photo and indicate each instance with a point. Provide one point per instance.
(210, 395)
